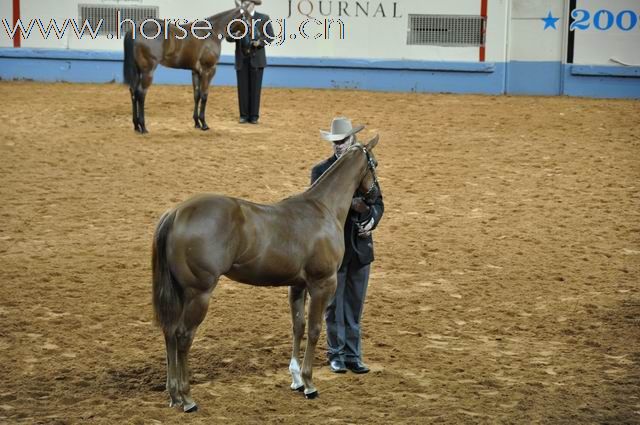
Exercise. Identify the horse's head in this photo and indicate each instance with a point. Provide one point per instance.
(246, 8)
(241, 19)
(369, 186)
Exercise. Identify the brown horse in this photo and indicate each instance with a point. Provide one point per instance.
(178, 47)
(298, 242)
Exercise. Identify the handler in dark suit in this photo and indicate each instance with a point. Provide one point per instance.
(251, 60)
(345, 310)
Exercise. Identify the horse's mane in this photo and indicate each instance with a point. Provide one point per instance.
(334, 165)
(221, 16)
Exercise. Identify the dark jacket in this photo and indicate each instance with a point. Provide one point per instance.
(364, 246)
(256, 55)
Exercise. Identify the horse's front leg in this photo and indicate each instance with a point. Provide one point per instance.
(205, 81)
(297, 298)
(319, 294)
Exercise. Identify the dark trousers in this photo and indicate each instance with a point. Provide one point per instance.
(345, 311)
(249, 88)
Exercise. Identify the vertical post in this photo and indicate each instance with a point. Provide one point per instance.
(483, 12)
(571, 36)
(16, 16)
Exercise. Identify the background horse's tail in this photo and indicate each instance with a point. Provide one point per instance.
(167, 294)
(129, 70)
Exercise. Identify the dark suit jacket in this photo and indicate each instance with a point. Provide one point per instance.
(244, 49)
(364, 253)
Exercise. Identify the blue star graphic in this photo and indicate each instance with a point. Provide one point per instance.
(550, 21)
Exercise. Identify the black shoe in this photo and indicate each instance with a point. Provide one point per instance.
(357, 367)
(243, 120)
(337, 366)
(253, 121)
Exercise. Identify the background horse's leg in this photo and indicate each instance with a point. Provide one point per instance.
(319, 294)
(172, 371)
(195, 79)
(205, 80)
(134, 105)
(297, 298)
(141, 93)
(195, 309)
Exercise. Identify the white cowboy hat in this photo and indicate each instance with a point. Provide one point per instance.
(256, 2)
(341, 128)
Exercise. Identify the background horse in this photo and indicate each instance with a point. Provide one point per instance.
(142, 56)
(298, 242)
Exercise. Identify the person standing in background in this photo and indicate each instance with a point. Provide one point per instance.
(251, 59)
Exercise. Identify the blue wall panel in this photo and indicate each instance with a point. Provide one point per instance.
(602, 82)
(529, 78)
(534, 78)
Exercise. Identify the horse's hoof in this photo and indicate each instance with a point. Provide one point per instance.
(205, 127)
(311, 396)
(191, 409)
(298, 389)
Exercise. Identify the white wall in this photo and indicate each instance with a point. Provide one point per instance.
(515, 30)
(6, 11)
(596, 47)
(370, 37)
(528, 40)
(497, 30)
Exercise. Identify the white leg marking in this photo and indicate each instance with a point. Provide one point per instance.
(294, 369)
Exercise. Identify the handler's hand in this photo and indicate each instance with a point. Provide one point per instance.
(359, 206)
(255, 43)
(364, 229)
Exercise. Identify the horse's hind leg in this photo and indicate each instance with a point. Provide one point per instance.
(194, 311)
(141, 94)
(134, 105)
(173, 377)
(297, 298)
(319, 294)
(195, 79)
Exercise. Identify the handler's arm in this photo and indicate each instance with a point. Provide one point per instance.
(315, 173)
(267, 34)
(377, 209)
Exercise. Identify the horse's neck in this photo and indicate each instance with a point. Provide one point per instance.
(220, 21)
(335, 188)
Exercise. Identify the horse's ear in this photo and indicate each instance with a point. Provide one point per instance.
(372, 144)
(238, 3)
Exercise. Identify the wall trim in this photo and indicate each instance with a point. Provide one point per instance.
(516, 77)
(606, 71)
(346, 63)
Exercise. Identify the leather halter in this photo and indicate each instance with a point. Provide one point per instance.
(370, 194)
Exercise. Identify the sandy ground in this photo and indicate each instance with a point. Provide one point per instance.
(505, 287)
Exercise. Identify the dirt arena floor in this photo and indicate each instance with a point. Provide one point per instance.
(505, 288)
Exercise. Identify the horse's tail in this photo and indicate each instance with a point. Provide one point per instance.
(129, 69)
(167, 294)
